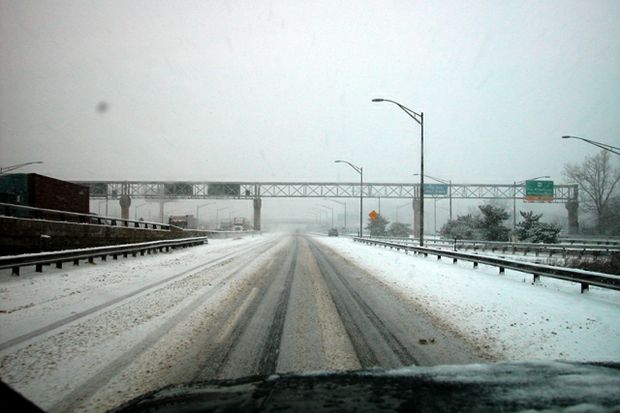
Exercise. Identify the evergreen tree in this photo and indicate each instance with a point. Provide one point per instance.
(463, 227)
(491, 223)
(398, 229)
(532, 230)
(485, 226)
(377, 227)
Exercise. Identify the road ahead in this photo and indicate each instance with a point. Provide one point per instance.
(278, 304)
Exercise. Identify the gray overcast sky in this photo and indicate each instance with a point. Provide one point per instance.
(276, 90)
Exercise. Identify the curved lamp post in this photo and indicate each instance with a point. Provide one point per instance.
(217, 215)
(321, 212)
(360, 171)
(399, 207)
(136, 208)
(198, 209)
(418, 117)
(19, 165)
(612, 149)
(344, 204)
(449, 183)
(331, 209)
(443, 181)
(316, 216)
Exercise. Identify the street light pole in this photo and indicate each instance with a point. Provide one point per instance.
(345, 210)
(316, 217)
(135, 211)
(443, 181)
(612, 149)
(360, 171)
(19, 165)
(514, 207)
(217, 214)
(321, 212)
(332, 209)
(399, 207)
(198, 210)
(419, 118)
(435, 216)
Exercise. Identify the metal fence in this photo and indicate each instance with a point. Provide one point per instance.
(22, 211)
(75, 256)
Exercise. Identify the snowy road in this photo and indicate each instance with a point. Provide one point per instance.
(87, 339)
(90, 338)
(311, 310)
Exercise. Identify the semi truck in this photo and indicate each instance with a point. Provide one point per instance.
(40, 191)
(239, 224)
(183, 221)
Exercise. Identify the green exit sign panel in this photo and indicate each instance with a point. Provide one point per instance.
(539, 191)
(435, 189)
(224, 190)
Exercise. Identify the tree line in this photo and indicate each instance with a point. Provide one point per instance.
(485, 225)
(598, 179)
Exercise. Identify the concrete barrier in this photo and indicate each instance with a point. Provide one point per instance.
(20, 235)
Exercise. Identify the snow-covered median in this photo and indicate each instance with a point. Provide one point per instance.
(506, 316)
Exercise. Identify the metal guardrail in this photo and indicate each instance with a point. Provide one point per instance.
(22, 211)
(584, 278)
(613, 240)
(562, 249)
(38, 260)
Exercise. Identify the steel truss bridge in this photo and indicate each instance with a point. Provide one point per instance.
(254, 190)
(125, 191)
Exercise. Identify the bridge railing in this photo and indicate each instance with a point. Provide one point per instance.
(22, 211)
(38, 260)
(584, 278)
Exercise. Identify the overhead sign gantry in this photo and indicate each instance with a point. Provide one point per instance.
(169, 190)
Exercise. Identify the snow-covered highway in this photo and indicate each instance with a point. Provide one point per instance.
(89, 338)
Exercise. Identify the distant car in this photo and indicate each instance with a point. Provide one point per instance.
(333, 232)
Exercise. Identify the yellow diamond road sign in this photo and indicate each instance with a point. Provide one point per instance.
(373, 215)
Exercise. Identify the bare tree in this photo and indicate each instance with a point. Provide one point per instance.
(597, 179)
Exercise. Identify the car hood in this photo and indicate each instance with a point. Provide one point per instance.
(477, 387)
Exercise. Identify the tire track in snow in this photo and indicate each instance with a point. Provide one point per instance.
(372, 339)
(24, 338)
(255, 327)
(88, 388)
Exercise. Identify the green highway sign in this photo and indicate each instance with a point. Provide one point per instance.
(435, 189)
(224, 189)
(178, 189)
(539, 191)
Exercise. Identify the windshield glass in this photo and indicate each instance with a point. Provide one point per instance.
(207, 190)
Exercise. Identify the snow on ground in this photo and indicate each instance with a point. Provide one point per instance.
(142, 337)
(75, 289)
(506, 316)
